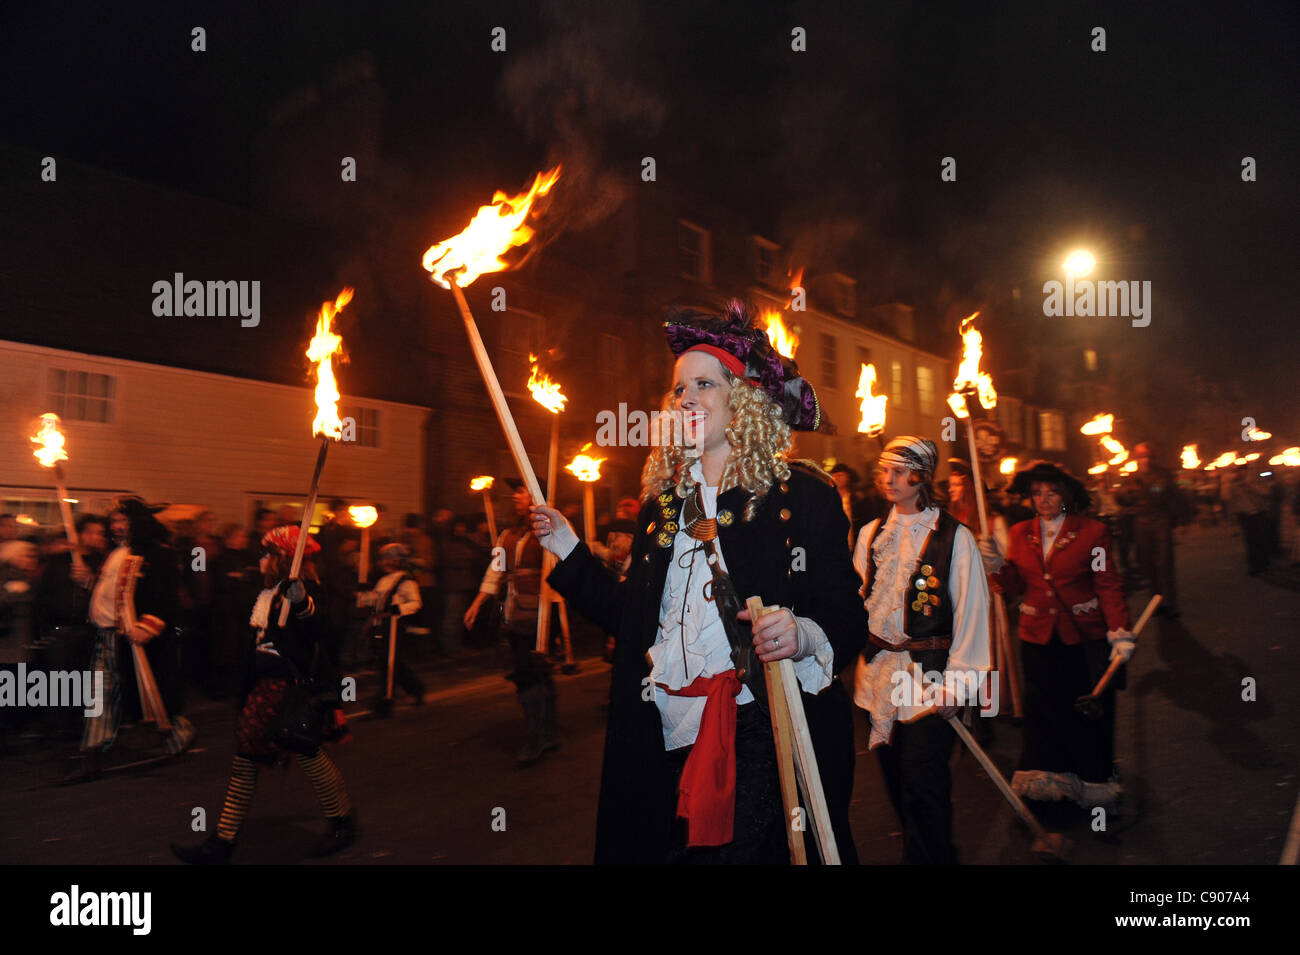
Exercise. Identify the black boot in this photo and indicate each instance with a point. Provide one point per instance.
(212, 851)
(533, 702)
(341, 834)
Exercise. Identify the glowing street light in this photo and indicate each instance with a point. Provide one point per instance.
(1079, 262)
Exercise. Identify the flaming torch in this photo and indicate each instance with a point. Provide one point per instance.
(587, 470)
(971, 381)
(49, 451)
(547, 394)
(873, 406)
(484, 483)
(783, 339)
(327, 426)
(458, 261)
(363, 516)
(1190, 461)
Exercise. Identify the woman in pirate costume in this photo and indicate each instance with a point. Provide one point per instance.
(298, 650)
(928, 602)
(1073, 620)
(690, 771)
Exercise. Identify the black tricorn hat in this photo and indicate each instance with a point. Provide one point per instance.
(1076, 495)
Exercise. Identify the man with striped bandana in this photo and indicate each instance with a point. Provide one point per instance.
(281, 655)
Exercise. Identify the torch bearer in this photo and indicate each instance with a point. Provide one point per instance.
(484, 483)
(587, 470)
(363, 516)
(49, 451)
(458, 261)
(969, 383)
(326, 425)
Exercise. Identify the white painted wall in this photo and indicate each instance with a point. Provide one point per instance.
(196, 438)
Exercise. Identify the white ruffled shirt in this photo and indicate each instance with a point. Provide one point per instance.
(692, 642)
(886, 686)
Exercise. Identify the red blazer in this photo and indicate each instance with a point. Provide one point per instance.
(1053, 588)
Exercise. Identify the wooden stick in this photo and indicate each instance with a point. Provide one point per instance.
(65, 509)
(491, 515)
(794, 726)
(363, 565)
(975, 472)
(589, 510)
(497, 395)
(781, 731)
(1115, 664)
(392, 652)
(548, 597)
(1000, 781)
(296, 568)
(1002, 630)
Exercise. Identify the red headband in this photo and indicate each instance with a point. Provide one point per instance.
(729, 361)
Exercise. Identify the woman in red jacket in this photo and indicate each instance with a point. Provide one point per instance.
(1073, 620)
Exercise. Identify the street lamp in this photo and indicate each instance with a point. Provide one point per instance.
(1078, 263)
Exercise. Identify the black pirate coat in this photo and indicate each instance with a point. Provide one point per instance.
(793, 553)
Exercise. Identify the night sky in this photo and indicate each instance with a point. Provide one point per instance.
(1134, 152)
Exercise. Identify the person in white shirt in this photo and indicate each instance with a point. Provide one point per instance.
(396, 595)
(690, 772)
(928, 604)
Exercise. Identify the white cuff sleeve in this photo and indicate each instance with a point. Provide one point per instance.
(814, 663)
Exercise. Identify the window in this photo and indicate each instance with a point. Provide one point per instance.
(925, 389)
(846, 296)
(896, 383)
(367, 424)
(1051, 425)
(1029, 434)
(1011, 417)
(830, 367)
(82, 395)
(765, 264)
(1090, 359)
(693, 251)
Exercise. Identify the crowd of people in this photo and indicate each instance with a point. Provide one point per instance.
(895, 576)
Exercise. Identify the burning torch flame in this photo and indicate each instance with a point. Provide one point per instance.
(323, 345)
(1130, 467)
(1190, 460)
(1224, 459)
(363, 515)
(1254, 434)
(481, 483)
(545, 392)
(1098, 469)
(1008, 465)
(969, 376)
(49, 441)
(873, 406)
(584, 467)
(1290, 457)
(783, 339)
(1114, 447)
(1100, 424)
(494, 229)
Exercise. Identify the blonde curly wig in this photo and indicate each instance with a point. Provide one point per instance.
(760, 446)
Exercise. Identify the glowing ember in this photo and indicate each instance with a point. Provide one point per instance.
(1239, 461)
(545, 392)
(1190, 460)
(958, 405)
(363, 515)
(1130, 467)
(1254, 434)
(1008, 465)
(969, 376)
(1224, 459)
(873, 406)
(322, 346)
(481, 483)
(1098, 469)
(783, 339)
(1100, 424)
(1253, 456)
(584, 467)
(1290, 457)
(49, 441)
(494, 229)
